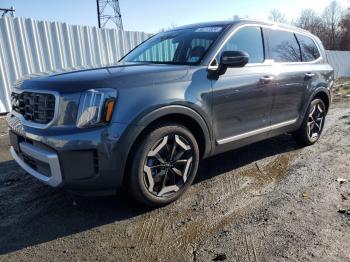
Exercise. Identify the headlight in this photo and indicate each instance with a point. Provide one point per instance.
(96, 107)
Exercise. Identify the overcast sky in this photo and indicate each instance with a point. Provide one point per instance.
(152, 15)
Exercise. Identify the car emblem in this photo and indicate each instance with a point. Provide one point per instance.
(15, 102)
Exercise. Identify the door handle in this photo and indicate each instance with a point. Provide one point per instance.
(266, 79)
(309, 75)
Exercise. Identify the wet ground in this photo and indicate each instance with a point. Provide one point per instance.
(271, 201)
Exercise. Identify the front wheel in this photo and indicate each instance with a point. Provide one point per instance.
(164, 164)
(313, 123)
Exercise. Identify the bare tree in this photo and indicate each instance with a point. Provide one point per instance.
(171, 26)
(345, 33)
(237, 17)
(332, 16)
(332, 27)
(277, 16)
(311, 21)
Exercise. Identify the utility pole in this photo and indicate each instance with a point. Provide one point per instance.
(6, 11)
(108, 12)
(98, 13)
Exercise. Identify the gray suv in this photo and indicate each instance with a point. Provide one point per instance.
(179, 97)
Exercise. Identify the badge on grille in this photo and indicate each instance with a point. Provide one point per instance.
(15, 124)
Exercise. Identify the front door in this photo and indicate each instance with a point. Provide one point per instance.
(242, 97)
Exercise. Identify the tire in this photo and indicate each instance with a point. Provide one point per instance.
(313, 123)
(166, 151)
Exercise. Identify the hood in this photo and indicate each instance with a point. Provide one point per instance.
(114, 76)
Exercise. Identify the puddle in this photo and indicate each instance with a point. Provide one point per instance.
(205, 212)
(344, 117)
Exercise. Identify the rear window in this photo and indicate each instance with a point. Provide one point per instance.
(309, 50)
(284, 46)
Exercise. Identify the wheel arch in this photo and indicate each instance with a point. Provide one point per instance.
(322, 94)
(183, 115)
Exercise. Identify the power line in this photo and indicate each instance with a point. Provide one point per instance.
(108, 12)
(6, 11)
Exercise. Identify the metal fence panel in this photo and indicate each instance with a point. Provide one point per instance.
(340, 61)
(28, 46)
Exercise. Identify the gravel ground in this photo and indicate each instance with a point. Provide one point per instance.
(271, 201)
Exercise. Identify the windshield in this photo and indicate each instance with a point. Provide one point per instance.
(185, 46)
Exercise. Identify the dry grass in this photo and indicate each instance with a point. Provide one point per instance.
(341, 89)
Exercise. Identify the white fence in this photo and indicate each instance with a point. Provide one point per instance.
(28, 46)
(340, 61)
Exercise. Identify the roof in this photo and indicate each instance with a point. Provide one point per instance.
(243, 21)
(215, 23)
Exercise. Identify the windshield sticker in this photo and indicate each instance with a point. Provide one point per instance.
(210, 29)
(193, 59)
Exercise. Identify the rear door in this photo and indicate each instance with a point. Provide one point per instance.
(292, 76)
(321, 73)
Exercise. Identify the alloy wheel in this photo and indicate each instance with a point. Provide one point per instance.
(315, 122)
(168, 165)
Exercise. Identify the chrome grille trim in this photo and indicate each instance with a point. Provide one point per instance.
(31, 123)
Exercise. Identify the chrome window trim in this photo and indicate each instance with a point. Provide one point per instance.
(256, 132)
(273, 27)
(31, 123)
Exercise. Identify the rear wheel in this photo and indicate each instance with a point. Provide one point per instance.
(313, 123)
(164, 164)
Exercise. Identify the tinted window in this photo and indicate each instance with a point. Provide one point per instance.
(309, 50)
(284, 46)
(248, 39)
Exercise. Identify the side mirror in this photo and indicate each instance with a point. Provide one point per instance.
(232, 59)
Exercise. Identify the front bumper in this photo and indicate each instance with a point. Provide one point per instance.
(42, 155)
(87, 161)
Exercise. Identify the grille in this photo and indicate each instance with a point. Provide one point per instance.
(35, 107)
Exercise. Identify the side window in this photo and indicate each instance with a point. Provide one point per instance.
(309, 50)
(284, 46)
(248, 39)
